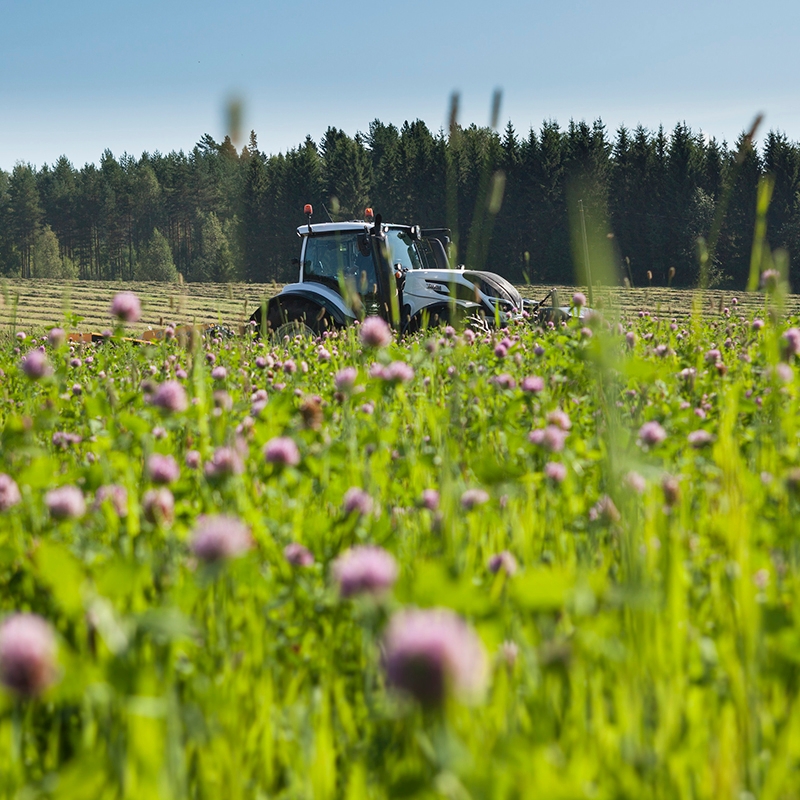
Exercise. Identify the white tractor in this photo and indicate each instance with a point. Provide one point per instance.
(349, 270)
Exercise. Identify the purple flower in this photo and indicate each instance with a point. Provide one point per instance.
(63, 439)
(560, 419)
(9, 492)
(473, 497)
(225, 461)
(699, 438)
(504, 561)
(770, 279)
(604, 510)
(634, 481)
(551, 438)
(116, 495)
(555, 471)
(374, 332)
(758, 324)
(56, 337)
(162, 469)
(533, 384)
(35, 365)
(27, 654)
(430, 499)
(579, 299)
(192, 459)
(345, 380)
(500, 350)
(158, 505)
(218, 538)
(398, 372)
(219, 373)
(65, 502)
(357, 501)
(365, 569)
(651, 433)
(283, 451)
(791, 342)
(630, 339)
(170, 396)
(504, 381)
(430, 654)
(298, 555)
(126, 307)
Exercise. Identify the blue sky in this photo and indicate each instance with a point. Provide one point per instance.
(76, 79)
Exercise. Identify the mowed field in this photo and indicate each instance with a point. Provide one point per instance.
(45, 303)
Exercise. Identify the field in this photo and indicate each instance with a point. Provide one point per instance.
(556, 563)
(44, 303)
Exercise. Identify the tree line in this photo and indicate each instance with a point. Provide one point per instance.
(219, 213)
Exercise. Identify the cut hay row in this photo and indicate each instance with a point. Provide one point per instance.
(30, 304)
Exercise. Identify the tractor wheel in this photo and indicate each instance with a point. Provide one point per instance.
(295, 318)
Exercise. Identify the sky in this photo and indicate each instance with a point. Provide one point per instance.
(79, 78)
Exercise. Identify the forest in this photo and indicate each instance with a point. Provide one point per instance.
(223, 213)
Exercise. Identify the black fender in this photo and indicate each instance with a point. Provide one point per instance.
(444, 313)
(308, 306)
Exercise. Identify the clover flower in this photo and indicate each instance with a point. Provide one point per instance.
(430, 654)
(604, 510)
(56, 337)
(9, 492)
(430, 499)
(225, 461)
(472, 498)
(551, 438)
(218, 538)
(163, 469)
(651, 433)
(375, 332)
(699, 438)
(298, 555)
(158, 505)
(503, 561)
(65, 502)
(533, 384)
(116, 495)
(555, 471)
(282, 451)
(170, 396)
(365, 569)
(35, 365)
(126, 307)
(345, 380)
(27, 654)
(357, 501)
(579, 299)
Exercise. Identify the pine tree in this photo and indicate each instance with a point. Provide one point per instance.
(25, 213)
(155, 261)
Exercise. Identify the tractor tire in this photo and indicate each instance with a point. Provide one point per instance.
(290, 317)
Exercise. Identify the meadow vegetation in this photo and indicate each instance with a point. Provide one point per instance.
(534, 562)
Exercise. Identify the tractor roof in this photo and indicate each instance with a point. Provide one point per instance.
(333, 227)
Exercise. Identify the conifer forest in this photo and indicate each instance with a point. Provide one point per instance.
(223, 213)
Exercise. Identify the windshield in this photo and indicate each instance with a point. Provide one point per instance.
(403, 249)
(346, 253)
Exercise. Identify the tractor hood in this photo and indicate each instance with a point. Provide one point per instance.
(493, 285)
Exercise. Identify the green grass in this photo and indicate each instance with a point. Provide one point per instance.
(658, 646)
